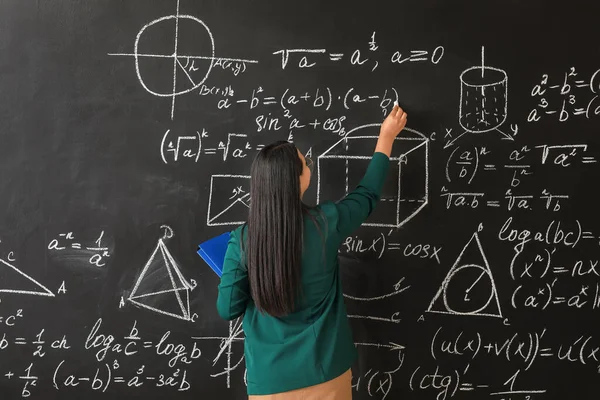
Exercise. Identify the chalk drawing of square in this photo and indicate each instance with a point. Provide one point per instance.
(406, 190)
(222, 209)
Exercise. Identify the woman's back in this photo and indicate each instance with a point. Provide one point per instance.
(316, 337)
(281, 270)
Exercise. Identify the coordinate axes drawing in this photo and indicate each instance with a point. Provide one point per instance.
(483, 105)
(202, 50)
(161, 287)
(469, 287)
(15, 281)
(406, 190)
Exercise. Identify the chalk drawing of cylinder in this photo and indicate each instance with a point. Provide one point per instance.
(483, 99)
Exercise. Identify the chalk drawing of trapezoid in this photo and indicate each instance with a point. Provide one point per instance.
(406, 190)
(483, 105)
(178, 52)
(161, 287)
(14, 281)
(228, 200)
(469, 287)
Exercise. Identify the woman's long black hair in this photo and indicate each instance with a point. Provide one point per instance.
(275, 229)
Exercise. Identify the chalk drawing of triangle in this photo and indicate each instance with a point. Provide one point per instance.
(471, 256)
(161, 287)
(238, 208)
(14, 281)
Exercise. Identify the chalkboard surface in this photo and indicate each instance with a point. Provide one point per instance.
(128, 128)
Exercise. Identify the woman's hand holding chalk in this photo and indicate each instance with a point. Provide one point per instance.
(394, 123)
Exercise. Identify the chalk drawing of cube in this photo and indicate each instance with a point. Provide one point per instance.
(483, 99)
(406, 189)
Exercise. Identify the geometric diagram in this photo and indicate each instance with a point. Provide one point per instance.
(225, 348)
(393, 318)
(161, 286)
(405, 192)
(228, 200)
(165, 60)
(469, 287)
(13, 281)
(483, 100)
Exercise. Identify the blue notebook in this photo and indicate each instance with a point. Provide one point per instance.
(213, 252)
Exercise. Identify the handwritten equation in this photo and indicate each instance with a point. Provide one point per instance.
(560, 98)
(66, 243)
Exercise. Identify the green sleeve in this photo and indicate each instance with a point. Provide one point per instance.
(234, 290)
(354, 209)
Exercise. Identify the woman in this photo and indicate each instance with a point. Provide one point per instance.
(281, 273)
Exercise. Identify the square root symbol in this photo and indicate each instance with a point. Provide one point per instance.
(406, 190)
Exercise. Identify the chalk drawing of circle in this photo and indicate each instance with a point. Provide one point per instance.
(485, 281)
(208, 57)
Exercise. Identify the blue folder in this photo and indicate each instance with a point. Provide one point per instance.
(213, 252)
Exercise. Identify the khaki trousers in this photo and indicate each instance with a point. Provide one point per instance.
(339, 388)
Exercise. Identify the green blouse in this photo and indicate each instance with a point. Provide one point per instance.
(313, 344)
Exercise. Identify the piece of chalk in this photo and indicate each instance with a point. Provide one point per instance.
(395, 103)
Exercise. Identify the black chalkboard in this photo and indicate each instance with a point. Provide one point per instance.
(128, 129)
